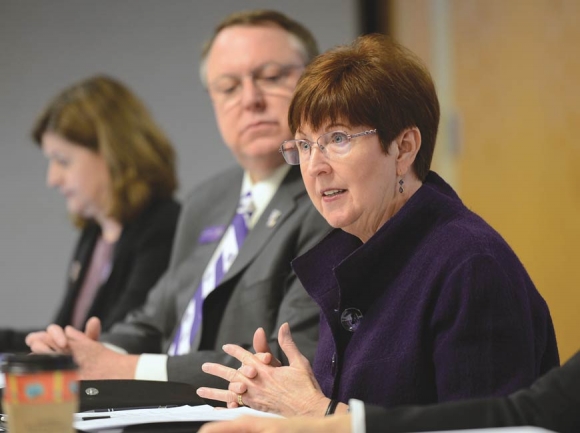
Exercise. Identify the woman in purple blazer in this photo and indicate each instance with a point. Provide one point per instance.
(421, 300)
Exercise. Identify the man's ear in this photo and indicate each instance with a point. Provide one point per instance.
(409, 143)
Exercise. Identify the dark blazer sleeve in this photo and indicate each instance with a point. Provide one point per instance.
(489, 330)
(12, 340)
(552, 403)
(141, 256)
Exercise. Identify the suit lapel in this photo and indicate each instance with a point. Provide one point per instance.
(76, 272)
(279, 209)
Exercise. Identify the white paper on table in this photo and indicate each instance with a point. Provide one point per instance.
(500, 430)
(124, 418)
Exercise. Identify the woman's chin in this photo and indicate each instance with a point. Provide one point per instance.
(337, 222)
(78, 212)
(74, 211)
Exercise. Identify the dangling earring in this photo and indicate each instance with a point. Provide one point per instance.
(401, 186)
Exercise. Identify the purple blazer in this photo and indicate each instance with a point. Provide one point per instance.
(434, 307)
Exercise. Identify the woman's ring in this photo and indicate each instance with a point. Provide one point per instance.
(240, 402)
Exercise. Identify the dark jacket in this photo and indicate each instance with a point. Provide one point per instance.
(448, 311)
(552, 402)
(140, 257)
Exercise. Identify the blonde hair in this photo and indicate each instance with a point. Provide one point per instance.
(103, 115)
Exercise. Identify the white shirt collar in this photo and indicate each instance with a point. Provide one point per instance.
(263, 191)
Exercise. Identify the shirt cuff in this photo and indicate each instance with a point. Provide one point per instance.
(357, 416)
(151, 367)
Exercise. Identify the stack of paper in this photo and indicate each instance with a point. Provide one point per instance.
(94, 421)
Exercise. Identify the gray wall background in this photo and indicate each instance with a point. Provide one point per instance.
(151, 45)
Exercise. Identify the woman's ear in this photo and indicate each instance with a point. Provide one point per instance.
(409, 143)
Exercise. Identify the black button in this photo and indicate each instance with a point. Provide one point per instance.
(350, 319)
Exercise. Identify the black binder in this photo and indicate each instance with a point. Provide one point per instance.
(120, 394)
(123, 394)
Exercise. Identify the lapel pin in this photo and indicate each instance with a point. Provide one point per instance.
(75, 269)
(273, 218)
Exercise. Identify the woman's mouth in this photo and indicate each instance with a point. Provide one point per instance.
(332, 192)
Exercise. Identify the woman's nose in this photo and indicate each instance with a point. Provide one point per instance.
(53, 175)
(318, 162)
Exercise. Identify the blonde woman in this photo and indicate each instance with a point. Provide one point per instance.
(116, 170)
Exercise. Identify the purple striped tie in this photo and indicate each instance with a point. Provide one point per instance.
(230, 245)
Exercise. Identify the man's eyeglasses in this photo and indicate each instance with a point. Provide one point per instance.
(267, 77)
(331, 144)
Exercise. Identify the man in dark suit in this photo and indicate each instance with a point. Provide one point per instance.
(250, 67)
(552, 402)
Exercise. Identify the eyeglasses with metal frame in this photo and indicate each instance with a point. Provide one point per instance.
(332, 144)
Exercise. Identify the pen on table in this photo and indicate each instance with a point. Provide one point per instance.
(88, 418)
(115, 409)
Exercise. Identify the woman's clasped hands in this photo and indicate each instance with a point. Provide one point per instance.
(262, 383)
